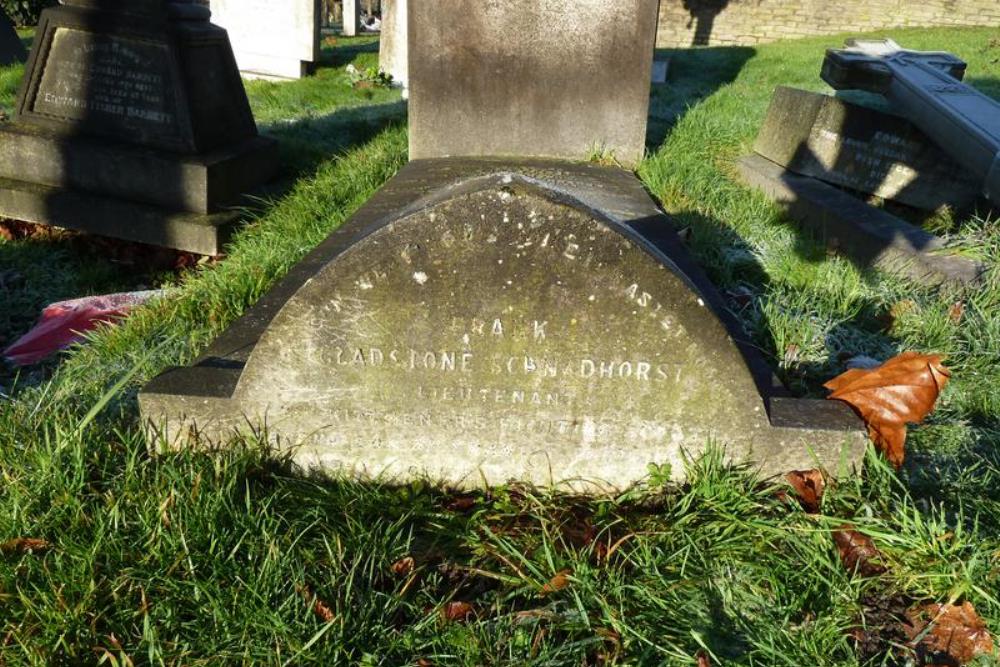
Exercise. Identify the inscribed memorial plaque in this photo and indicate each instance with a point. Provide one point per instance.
(863, 149)
(109, 83)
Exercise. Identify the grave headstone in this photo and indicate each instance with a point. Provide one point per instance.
(352, 17)
(272, 40)
(863, 149)
(11, 49)
(927, 88)
(504, 316)
(393, 40)
(132, 121)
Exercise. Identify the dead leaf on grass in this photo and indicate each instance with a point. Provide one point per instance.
(857, 551)
(703, 660)
(901, 391)
(403, 566)
(457, 611)
(809, 486)
(949, 634)
(556, 583)
(320, 608)
(25, 545)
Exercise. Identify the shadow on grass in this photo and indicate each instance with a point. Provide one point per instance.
(694, 74)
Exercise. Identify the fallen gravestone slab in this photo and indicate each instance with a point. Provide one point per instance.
(927, 88)
(487, 318)
(11, 49)
(273, 40)
(132, 122)
(862, 149)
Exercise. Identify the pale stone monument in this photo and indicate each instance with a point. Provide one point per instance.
(132, 122)
(272, 40)
(512, 314)
(351, 17)
(393, 43)
(11, 49)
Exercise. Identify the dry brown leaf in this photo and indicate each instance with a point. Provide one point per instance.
(322, 611)
(809, 486)
(703, 660)
(956, 312)
(955, 634)
(901, 391)
(25, 545)
(461, 503)
(457, 611)
(556, 583)
(403, 566)
(857, 551)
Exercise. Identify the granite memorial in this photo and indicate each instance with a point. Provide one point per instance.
(499, 316)
(132, 122)
(11, 49)
(273, 40)
(351, 13)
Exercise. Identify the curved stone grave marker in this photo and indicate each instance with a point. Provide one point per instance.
(481, 321)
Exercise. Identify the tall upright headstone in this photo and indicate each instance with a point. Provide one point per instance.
(505, 314)
(11, 49)
(393, 41)
(352, 17)
(132, 121)
(272, 39)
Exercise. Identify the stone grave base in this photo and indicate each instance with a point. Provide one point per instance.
(482, 320)
(864, 233)
(130, 192)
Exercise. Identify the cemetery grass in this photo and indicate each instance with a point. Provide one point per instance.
(229, 557)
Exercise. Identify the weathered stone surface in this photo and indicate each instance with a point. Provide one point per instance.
(868, 235)
(11, 49)
(272, 40)
(480, 321)
(550, 78)
(862, 149)
(351, 13)
(137, 104)
(393, 56)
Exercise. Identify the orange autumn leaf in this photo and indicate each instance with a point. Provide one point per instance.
(901, 391)
(948, 634)
(319, 608)
(458, 611)
(556, 583)
(808, 486)
(403, 566)
(703, 660)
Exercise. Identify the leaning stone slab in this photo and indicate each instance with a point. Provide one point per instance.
(862, 149)
(869, 236)
(559, 78)
(273, 39)
(137, 110)
(927, 88)
(486, 320)
(11, 49)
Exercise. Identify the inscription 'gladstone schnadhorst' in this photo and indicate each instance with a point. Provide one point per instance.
(499, 323)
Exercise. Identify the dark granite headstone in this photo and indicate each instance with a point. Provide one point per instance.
(863, 149)
(11, 49)
(132, 121)
(494, 318)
